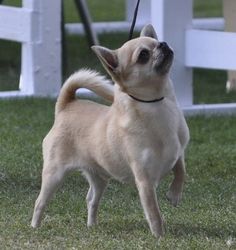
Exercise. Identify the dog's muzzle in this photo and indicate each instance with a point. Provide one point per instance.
(167, 55)
(166, 50)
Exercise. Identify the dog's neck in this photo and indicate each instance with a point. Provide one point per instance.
(167, 92)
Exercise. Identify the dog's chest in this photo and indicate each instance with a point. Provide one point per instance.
(153, 141)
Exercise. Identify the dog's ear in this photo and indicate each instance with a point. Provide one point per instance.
(148, 31)
(107, 57)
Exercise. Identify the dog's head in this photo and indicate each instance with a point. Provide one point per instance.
(141, 63)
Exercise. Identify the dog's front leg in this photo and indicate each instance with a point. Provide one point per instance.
(149, 202)
(174, 194)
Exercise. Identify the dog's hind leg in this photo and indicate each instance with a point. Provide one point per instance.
(96, 189)
(52, 177)
(174, 194)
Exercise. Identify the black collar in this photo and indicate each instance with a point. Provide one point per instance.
(149, 101)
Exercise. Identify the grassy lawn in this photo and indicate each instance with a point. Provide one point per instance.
(206, 218)
(210, 8)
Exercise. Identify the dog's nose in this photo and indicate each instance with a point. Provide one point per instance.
(163, 45)
(166, 50)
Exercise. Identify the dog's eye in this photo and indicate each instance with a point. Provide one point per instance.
(144, 56)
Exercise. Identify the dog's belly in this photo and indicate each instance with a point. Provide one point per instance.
(116, 167)
(121, 173)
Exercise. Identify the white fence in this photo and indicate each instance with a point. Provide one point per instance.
(37, 26)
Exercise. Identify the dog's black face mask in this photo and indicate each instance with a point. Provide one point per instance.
(165, 58)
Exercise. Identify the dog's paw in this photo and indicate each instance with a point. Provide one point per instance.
(34, 224)
(91, 223)
(174, 198)
(158, 230)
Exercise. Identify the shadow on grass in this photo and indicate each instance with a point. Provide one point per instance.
(29, 184)
(185, 230)
(128, 226)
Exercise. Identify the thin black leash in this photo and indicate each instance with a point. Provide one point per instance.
(134, 21)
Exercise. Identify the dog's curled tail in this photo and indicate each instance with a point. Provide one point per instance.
(88, 79)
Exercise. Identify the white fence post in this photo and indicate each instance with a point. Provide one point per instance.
(170, 18)
(37, 26)
(41, 57)
(229, 10)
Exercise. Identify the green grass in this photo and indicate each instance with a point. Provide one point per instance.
(210, 8)
(98, 9)
(205, 219)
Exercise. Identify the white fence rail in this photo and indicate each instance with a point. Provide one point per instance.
(210, 49)
(15, 23)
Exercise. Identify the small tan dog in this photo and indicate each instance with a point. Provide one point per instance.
(140, 138)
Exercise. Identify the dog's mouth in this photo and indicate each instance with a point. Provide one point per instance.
(164, 59)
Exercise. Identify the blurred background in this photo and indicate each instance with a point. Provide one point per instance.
(209, 85)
